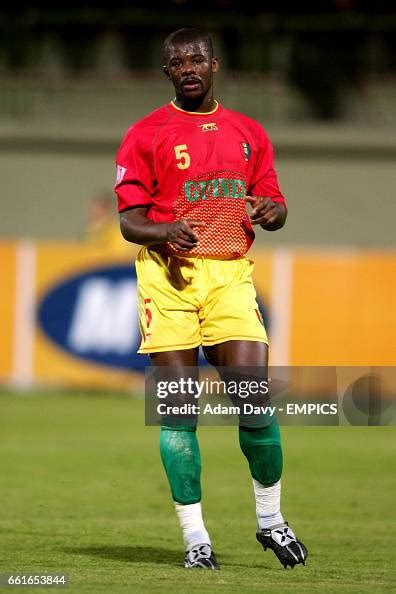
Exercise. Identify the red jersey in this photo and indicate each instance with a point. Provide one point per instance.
(201, 166)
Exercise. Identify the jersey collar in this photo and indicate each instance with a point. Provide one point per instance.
(196, 113)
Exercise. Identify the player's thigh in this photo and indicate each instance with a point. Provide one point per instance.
(238, 353)
(231, 312)
(176, 359)
(168, 314)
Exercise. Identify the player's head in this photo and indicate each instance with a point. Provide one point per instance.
(189, 63)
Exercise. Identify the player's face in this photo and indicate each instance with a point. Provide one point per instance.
(190, 67)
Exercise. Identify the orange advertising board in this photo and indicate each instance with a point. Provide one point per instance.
(8, 256)
(68, 312)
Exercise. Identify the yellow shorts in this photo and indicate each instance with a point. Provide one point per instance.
(187, 302)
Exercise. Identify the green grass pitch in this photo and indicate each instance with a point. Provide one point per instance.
(83, 492)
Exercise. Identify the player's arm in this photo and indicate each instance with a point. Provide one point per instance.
(266, 212)
(137, 228)
(267, 202)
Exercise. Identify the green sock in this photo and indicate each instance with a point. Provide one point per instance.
(263, 450)
(182, 462)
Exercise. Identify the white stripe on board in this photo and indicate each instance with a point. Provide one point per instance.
(282, 279)
(22, 376)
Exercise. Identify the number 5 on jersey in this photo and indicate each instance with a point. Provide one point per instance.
(182, 157)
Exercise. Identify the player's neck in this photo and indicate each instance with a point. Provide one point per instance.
(199, 105)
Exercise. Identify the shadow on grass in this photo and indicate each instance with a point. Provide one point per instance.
(158, 555)
(131, 554)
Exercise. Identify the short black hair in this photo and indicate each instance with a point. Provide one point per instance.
(186, 35)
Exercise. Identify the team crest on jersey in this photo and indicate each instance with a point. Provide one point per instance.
(210, 127)
(246, 150)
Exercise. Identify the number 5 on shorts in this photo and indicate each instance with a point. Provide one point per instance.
(149, 316)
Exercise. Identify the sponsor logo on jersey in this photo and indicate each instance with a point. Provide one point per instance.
(220, 187)
(246, 150)
(210, 127)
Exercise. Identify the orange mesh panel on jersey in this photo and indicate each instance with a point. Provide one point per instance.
(227, 233)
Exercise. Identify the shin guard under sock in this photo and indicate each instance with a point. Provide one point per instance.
(182, 462)
(263, 450)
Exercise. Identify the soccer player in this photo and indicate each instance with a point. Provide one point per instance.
(184, 175)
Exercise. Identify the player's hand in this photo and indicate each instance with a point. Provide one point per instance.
(181, 235)
(267, 213)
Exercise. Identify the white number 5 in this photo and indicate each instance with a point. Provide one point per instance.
(182, 156)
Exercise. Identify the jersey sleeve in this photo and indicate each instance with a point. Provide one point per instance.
(134, 177)
(264, 180)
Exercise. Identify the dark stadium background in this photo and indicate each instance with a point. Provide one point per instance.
(84, 490)
(320, 76)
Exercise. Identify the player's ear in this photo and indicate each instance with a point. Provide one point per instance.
(215, 65)
(166, 71)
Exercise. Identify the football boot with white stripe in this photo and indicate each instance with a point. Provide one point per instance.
(282, 540)
(200, 556)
